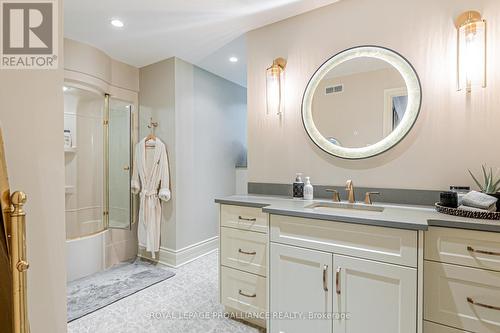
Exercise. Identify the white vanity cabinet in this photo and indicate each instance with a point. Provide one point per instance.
(243, 257)
(378, 297)
(301, 284)
(317, 269)
(462, 281)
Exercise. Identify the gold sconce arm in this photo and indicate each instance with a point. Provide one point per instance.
(18, 263)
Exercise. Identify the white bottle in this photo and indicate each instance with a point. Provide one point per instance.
(308, 190)
(68, 141)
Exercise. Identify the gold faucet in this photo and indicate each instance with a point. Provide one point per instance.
(335, 195)
(349, 186)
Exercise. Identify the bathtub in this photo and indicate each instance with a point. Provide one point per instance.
(85, 255)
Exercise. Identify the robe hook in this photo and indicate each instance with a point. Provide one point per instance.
(152, 125)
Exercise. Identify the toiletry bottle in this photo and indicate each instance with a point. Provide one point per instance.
(298, 187)
(67, 139)
(461, 192)
(308, 190)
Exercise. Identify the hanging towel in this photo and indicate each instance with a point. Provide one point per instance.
(151, 181)
(480, 200)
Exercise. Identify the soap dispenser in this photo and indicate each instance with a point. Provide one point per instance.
(308, 190)
(298, 187)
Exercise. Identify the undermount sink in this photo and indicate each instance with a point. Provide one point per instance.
(343, 206)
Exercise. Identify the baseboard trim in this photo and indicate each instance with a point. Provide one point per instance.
(177, 258)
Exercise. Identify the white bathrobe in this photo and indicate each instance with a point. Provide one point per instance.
(150, 179)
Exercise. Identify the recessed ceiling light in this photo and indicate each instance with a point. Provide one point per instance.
(65, 88)
(233, 59)
(117, 23)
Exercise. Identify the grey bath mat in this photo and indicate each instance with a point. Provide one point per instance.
(94, 292)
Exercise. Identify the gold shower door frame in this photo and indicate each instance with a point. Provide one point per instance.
(105, 149)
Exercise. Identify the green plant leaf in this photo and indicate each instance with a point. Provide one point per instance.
(477, 181)
(485, 175)
(496, 186)
(490, 182)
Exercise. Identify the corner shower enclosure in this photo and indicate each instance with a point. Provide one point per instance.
(98, 143)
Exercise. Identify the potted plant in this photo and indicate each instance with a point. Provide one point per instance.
(490, 185)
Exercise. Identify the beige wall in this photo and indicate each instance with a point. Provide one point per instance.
(210, 136)
(355, 117)
(201, 121)
(157, 100)
(31, 115)
(86, 59)
(453, 132)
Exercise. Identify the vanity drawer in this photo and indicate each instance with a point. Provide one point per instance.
(463, 247)
(430, 327)
(243, 291)
(389, 245)
(244, 250)
(244, 218)
(450, 290)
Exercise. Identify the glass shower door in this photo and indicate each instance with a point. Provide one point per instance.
(84, 161)
(119, 164)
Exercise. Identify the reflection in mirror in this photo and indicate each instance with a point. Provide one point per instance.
(359, 102)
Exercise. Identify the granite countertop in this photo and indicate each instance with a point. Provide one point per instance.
(393, 216)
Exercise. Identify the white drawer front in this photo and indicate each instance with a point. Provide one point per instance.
(389, 245)
(436, 328)
(449, 291)
(244, 250)
(242, 291)
(244, 218)
(463, 247)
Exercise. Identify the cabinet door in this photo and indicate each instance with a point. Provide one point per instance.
(376, 297)
(301, 285)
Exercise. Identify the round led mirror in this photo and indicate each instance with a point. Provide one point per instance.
(361, 102)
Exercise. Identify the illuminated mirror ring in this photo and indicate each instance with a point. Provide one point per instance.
(414, 90)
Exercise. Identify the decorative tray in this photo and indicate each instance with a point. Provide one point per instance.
(466, 213)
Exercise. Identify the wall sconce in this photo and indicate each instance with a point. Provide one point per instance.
(275, 81)
(471, 62)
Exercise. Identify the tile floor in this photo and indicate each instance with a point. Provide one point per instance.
(194, 288)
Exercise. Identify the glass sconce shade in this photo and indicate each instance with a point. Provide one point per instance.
(275, 80)
(471, 62)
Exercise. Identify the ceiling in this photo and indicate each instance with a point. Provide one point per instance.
(203, 32)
